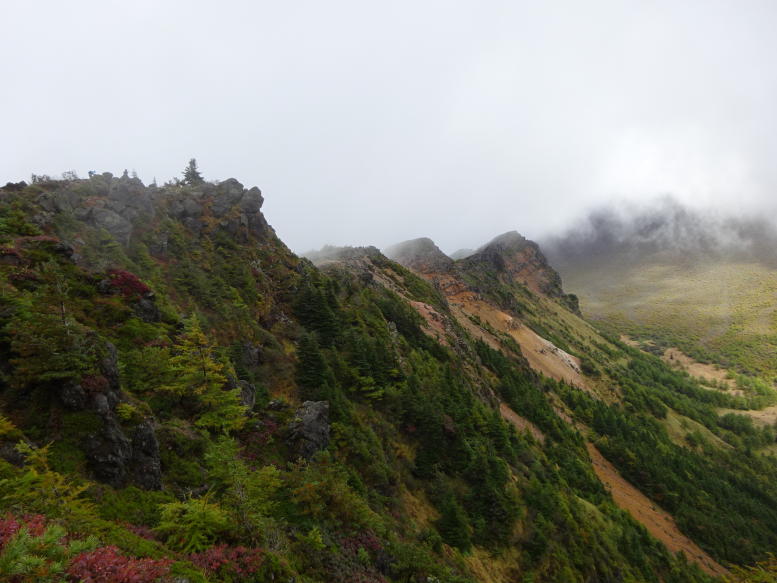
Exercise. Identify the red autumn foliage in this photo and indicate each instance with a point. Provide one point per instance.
(9, 526)
(235, 563)
(106, 565)
(127, 283)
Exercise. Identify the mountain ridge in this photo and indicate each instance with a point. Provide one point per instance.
(387, 424)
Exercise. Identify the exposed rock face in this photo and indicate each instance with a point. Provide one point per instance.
(114, 457)
(146, 309)
(247, 394)
(109, 452)
(420, 255)
(9, 453)
(121, 205)
(109, 367)
(521, 260)
(117, 459)
(112, 222)
(145, 464)
(309, 432)
(73, 396)
(247, 391)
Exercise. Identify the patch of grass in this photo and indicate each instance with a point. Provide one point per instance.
(717, 312)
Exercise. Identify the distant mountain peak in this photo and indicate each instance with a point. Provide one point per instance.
(329, 253)
(518, 259)
(421, 255)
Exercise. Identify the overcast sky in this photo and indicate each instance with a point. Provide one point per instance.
(369, 122)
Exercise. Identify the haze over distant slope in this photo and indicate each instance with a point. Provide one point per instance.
(664, 230)
(698, 279)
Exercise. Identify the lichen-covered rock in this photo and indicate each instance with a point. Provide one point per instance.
(309, 430)
(73, 396)
(109, 367)
(145, 463)
(111, 221)
(9, 453)
(146, 309)
(108, 452)
(247, 394)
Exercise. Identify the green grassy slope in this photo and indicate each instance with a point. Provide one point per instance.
(721, 312)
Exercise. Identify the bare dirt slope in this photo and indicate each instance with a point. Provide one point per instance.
(657, 521)
(521, 423)
(543, 355)
(704, 372)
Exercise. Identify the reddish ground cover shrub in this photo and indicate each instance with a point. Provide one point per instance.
(106, 565)
(127, 283)
(236, 563)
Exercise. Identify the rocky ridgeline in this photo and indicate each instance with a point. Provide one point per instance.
(123, 206)
(520, 260)
(420, 255)
(511, 256)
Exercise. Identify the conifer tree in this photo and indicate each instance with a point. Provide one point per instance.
(314, 309)
(453, 525)
(49, 344)
(198, 373)
(311, 368)
(191, 175)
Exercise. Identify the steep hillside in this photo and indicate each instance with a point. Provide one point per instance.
(620, 388)
(184, 399)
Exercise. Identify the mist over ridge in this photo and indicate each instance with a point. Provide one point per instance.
(663, 229)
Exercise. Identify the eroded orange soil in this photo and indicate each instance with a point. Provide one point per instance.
(543, 355)
(657, 521)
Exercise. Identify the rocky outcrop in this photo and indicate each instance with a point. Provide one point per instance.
(114, 457)
(330, 253)
(235, 208)
(124, 206)
(108, 452)
(517, 259)
(145, 468)
(420, 255)
(10, 453)
(247, 391)
(309, 431)
(145, 308)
